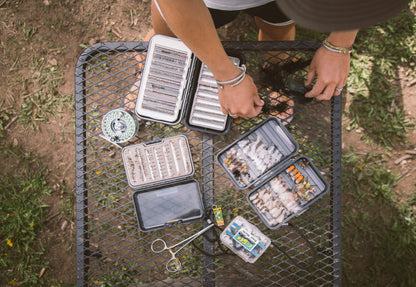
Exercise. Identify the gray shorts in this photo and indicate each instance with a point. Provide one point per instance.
(269, 13)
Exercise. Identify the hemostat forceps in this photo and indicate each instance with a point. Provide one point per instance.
(173, 265)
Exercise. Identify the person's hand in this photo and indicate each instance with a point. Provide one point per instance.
(241, 100)
(330, 71)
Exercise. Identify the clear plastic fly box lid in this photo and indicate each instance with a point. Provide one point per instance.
(288, 193)
(245, 239)
(257, 153)
(168, 205)
(158, 162)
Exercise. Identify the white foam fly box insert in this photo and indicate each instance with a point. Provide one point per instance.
(164, 79)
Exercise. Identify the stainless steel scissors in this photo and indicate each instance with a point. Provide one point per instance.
(174, 265)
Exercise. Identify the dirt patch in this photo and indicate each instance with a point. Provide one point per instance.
(46, 32)
(55, 33)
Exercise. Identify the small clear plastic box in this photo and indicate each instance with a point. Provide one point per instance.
(245, 239)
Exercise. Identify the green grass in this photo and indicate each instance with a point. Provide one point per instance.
(21, 218)
(377, 103)
(378, 230)
(379, 237)
(379, 53)
(45, 99)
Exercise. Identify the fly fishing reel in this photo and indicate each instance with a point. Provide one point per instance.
(119, 126)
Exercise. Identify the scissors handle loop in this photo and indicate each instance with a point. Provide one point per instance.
(158, 245)
(174, 265)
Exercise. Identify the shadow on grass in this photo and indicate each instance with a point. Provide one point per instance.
(379, 239)
(381, 51)
(379, 54)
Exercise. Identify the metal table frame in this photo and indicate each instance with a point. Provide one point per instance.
(208, 272)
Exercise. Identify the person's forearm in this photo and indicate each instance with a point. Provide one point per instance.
(343, 39)
(191, 22)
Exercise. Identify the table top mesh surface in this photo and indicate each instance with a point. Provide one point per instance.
(112, 251)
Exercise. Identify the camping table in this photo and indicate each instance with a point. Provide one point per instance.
(111, 250)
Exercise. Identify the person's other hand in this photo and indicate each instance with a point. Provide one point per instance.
(241, 100)
(330, 71)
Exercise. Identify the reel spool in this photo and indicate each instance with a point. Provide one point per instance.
(119, 126)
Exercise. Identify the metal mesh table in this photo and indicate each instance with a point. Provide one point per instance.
(112, 251)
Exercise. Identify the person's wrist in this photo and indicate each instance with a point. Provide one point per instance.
(225, 72)
(336, 49)
(344, 39)
(234, 81)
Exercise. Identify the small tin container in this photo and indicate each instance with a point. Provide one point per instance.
(119, 126)
(288, 193)
(245, 239)
(257, 153)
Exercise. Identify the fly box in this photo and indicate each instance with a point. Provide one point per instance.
(288, 193)
(245, 239)
(264, 157)
(164, 83)
(160, 171)
(257, 153)
(168, 205)
(204, 110)
(175, 85)
(158, 161)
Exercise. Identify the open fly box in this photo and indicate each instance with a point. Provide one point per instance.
(176, 85)
(264, 157)
(161, 173)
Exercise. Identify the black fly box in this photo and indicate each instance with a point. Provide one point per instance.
(160, 171)
(257, 153)
(264, 157)
(176, 86)
(288, 193)
(204, 110)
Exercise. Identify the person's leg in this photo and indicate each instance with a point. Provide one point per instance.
(159, 27)
(273, 26)
(270, 32)
(158, 22)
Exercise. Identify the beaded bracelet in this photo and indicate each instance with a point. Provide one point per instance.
(336, 49)
(234, 82)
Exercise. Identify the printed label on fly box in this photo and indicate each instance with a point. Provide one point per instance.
(158, 162)
(249, 159)
(168, 205)
(289, 193)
